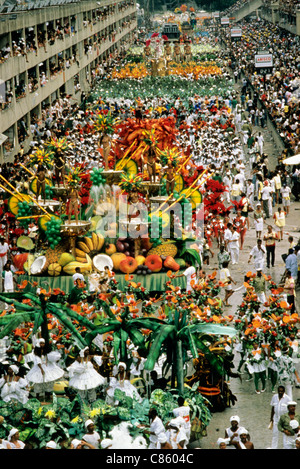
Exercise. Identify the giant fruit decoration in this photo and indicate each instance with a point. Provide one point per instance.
(53, 231)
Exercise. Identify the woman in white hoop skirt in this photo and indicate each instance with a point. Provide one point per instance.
(83, 377)
(13, 387)
(121, 381)
(45, 370)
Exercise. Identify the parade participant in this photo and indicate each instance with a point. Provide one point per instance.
(13, 387)
(4, 249)
(287, 371)
(227, 281)
(270, 238)
(59, 167)
(91, 436)
(258, 220)
(244, 442)
(151, 165)
(256, 364)
(233, 432)
(284, 424)
(285, 192)
(234, 245)
(184, 412)
(279, 218)
(45, 370)
(41, 182)
(121, 381)
(170, 178)
(223, 256)
(240, 222)
(289, 288)
(14, 441)
(279, 404)
(155, 430)
(8, 280)
(105, 144)
(74, 201)
(176, 434)
(258, 253)
(83, 377)
(189, 274)
(259, 284)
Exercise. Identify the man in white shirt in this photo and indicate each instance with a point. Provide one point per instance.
(184, 412)
(233, 245)
(278, 408)
(156, 428)
(258, 253)
(266, 195)
(190, 274)
(4, 248)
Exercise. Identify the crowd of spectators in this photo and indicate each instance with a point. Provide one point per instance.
(278, 90)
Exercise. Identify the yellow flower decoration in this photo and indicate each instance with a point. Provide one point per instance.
(50, 414)
(95, 412)
(76, 419)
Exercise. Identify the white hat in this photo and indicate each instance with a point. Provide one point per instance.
(75, 443)
(106, 443)
(88, 422)
(294, 424)
(243, 431)
(291, 403)
(122, 364)
(162, 438)
(12, 433)
(235, 418)
(51, 444)
(14, 368)
(222, 440)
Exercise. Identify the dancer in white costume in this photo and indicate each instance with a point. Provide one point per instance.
(45, 370)
(83, 377)
(13, 387)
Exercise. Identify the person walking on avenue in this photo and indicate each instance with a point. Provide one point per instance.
(270, 238)
(279, 218)
(258, 216)
(284, 424)
(279, 404)
(227, 281)
(223, 256)
(258, 253)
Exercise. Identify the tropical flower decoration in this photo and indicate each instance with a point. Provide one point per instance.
(137, 71)
(42, 155)
(129, 184)
(104, 123)
(56, 143)
(150, 137)
(74, 177)
(170, 155)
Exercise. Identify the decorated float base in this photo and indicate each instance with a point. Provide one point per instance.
(112, 176)
(49, 204)
(152, 188)
(154, 282)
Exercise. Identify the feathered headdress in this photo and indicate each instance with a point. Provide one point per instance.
(104, 123)
(131, 183)
(56, 143)
(73, 179)
(149, 137)
(170, 155)
(43, 156)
